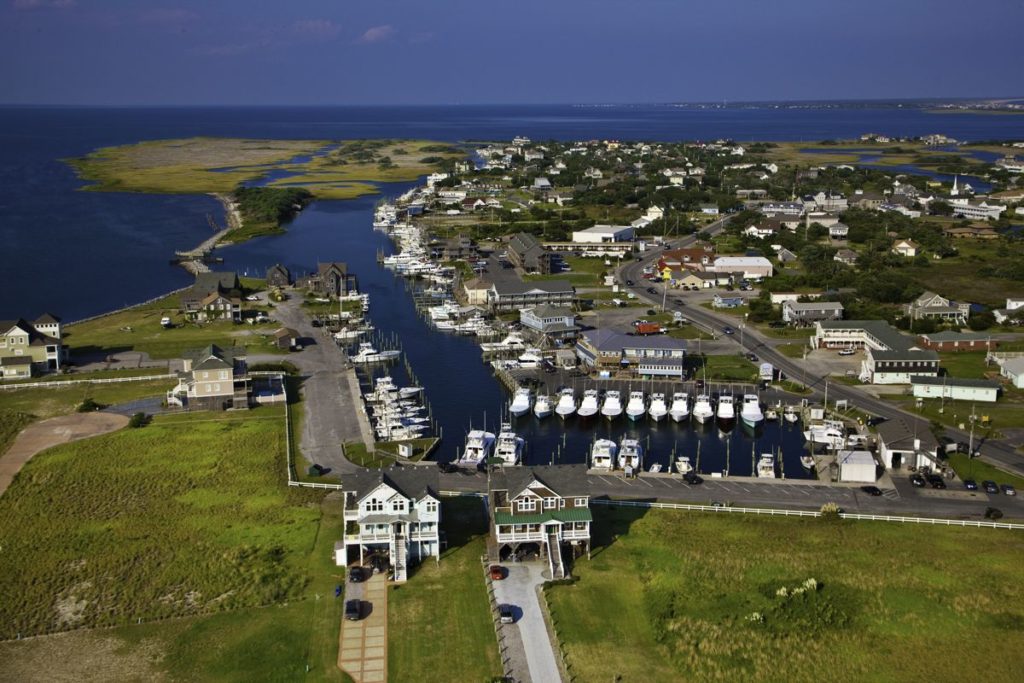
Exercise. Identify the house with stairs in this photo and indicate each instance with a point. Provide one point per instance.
(392, 519)
(543, 511)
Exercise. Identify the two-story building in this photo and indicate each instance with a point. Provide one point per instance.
(278, 276)
(551, 322)
(213, 296)
(27, 347)
(212, 379)
(515, 296)
(392, 514)
(643, 356)
(545, 510)
(890, 357)
(331, 279)
(526, 252)
(932, 305)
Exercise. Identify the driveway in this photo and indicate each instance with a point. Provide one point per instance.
(519, 589)
(363, 648)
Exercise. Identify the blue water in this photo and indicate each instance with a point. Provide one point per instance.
(869, 158)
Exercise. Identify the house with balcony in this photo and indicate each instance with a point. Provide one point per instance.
(543, 510)
(212, 379)
(932, 305)
(515, 296)
(550, 322)
(605, 350)
(392, 514)
(213, 296)
(29, 347)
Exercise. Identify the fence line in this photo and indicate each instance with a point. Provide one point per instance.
(809, 513)
(98, 380)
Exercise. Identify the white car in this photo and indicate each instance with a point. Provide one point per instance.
(252, 297)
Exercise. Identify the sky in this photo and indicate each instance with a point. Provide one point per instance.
(357, 52)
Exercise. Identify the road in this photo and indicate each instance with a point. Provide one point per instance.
(519, 589)
(995, 452)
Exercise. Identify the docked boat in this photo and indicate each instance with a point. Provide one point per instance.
(831, 433)
(766, 466)
(790, 414)
(683, 464)
(658, 410)
(589, 406)
(368, 354)
(479, 445)
(750, 410)
(406, 392)
(531, 358)
(702, 409)
(807, 460)
(680, 409)
(566, 403)
(542, 406)
(635, 408)
(631, 455)
(509, 446)
(655, 468)
(726, 409)
(521, 402)
(612, 407)
(348, 334)
(771, 415)
(602, 454)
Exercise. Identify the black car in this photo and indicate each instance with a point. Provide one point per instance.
(693, 479)
(936, 481)
(989, 486)
(353, 610)
(871, 490)
(629, 283)
(679, 302)
(970, 485)
(316, 323)
(917, 480)
(776, 325)
(506, 614)
(875, 421)
(727, 329)
(652, 290)
(447, 467)
(752, 357)
(356, 574)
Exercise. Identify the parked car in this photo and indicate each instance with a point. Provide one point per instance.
(353, 610)
(652, 290)
(936, 481)
(497, 572)
(316, 322)
(727, 329)
(989, 486)
(847, 352)
(693, 479)
(629, 283)
(875, 421)
(678, 302)
(1009, 490)
(871, 490)
(776, 325)
(970, 485)
(356, 574)
(752, 357)
(506, 614)
(917, 480)
(447, 467)
(252, 297)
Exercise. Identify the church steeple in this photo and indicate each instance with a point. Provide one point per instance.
(955, 191)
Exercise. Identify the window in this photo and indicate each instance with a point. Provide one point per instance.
(550, 503)
(216, 387)
(223, 374)
(581, 502)
(527, 505)
(374, 505)
(206, 375)
(398, 505)
(431, 506)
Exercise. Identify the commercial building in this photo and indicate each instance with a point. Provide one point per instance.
(754, 267)
(857, 466)
(552, 322)
(642, 356)
(900, 446)
(603, 233)
(527, 253)
(958, 341)
(955, 388)
(514, 296)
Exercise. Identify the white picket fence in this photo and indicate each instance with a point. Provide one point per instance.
(808, 513)
(103, 380)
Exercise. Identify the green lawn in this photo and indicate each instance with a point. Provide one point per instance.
(11, 422)
(673, 596)
(1006, 412)
(966, 364)
(440, 623)
(727, 368)
(973, 468)
(792, 350)
(43, 402)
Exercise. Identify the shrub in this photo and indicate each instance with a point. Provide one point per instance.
(993, 513)
(89, 405)
(138, 420)
(830, 510)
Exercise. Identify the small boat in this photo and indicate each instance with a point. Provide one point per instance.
(566, 403)
(807, 460)
(479, 445)
(368, 354)
(831, 433)
(635, 408)
(655, 468)
(702, 410)
(683, 464)
(509, 446)
(766, 466)
(602, 454)
(726, 409)
(346, 334)
(680, 409)
(542, 406)
(790, 414)
(771, 415)
(521, 402)
(631, 455)
(750, 410)
(612, 407)
(589, 406)
(658, 409)
(406, 392)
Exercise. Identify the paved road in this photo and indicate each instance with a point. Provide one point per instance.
(996, 452)
(519, 589)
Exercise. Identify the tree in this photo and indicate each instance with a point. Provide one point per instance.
(981, 321)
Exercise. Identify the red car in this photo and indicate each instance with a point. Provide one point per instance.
(497, 572)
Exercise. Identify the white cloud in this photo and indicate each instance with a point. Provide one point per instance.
(376, 34)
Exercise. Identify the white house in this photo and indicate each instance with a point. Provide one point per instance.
(556, 322)
(1004, 314)
(393, 513)
(906, 248)
(709, 209)
(898, 366)
(1013, 370)
(798, 312)
(899, 446)
(965, 208)
(955, 388)
(839, 231)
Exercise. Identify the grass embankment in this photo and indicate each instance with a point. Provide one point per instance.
(11, 423)
(672, 596)
(792, 350)
(43, 402)
(991, 416)
(439, 623)
(973, 468)
(582, 271)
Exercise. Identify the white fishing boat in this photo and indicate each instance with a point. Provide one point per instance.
(631, 455)
(368, 354)
(790, 414)
(771, 415)
(566, 403)
(521, 402)
(680, 409)
(807, 460)
(658, 410)
(509, 446)
(683, 464)
(702, 409)
(406, 392)
(479, 446)
(726, 409)
(750, 410)
(636, 407)
(766, 466)
(542, 406)
(602, 454)
(612, 407)
(589, 405)
(831, 433)
(348, 334)
(531, 358)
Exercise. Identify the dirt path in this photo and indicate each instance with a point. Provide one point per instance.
(57, 430)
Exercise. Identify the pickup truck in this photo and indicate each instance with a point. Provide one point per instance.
(649, 328)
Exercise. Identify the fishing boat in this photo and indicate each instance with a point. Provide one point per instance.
(589, 406)
(406, 392)
(831, 433)
(750, 410)
(479, 445)
(766, 466)
(683, 464)
(790, 414)
(566, 405)
(702, 409)
(602, 454)
(542, 406)
(635, 408)
(612, 407)
(771, 415)
(509, 446)
(658, 409)
(368, 354)
(726, 409)
(521, 402)
(631, 455)
(680, 409)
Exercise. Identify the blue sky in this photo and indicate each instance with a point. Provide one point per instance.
(505, 51)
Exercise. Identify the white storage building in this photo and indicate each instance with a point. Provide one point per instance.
(955, 388)
(751, 266)
(857, 466)
(604, 233)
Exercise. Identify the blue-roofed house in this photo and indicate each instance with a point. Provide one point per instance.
(641, 356)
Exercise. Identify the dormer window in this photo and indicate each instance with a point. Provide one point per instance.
(398, 505)
(550, 503)
(374, 505)
(527, 505)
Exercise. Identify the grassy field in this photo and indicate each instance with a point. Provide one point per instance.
(973, 468)
(966, 277)
(967, 364)
(672, 596)
(439, 623)
(46, 402)
(11, 422)
(991, 416)
(584, 272)
(734, 368)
